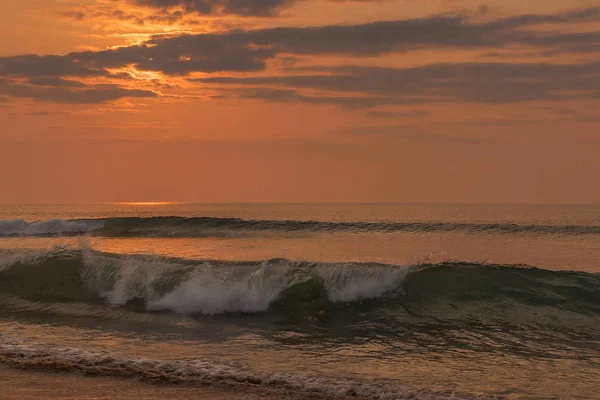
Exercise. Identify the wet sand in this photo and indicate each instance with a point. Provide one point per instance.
(28, 384)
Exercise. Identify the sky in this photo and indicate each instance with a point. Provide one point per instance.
(432, 101)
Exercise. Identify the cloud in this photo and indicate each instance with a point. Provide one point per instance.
(42, 113)
(272, 7)
(363, 87)
(56, 82)
(107, 13)
(47, 66)
(91, 94)
(249, 50)
(591, 14)
(492, 83)
(384, 37)
(181, 55)
(408, 132)
(293, 96)
(67, 77)
(398, 114)
(220, 7)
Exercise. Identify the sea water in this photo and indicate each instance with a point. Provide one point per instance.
(384, 301)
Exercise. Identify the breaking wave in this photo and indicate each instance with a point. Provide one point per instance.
(209, 227)
(150, 283)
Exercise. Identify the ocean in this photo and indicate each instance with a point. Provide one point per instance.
(376, 301)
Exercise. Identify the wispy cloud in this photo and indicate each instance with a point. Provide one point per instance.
(408, 132)
(398, 114)
(91, 94)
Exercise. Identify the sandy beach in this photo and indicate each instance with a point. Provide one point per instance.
(28, 384)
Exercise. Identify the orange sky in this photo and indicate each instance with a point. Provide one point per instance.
(299, 101)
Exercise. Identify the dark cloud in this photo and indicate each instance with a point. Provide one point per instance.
(469, 82)
(245, 50)
(94, 13)
(47, 66)
(370, 39)
(585, 42)
(182, 55)
(248, 51)
(90, 95)
(272, 8)
(220, 7)
(384, 37)
(56, 82)
(591, 14)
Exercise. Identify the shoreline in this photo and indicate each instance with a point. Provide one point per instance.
(20, 383)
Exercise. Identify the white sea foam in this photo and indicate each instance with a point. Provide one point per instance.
(123, 278)
(254, 288)
(351, 283)
(211, 287)
(199, 371)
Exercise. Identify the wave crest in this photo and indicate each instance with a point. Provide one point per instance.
(185, 286)
(149, 283)
(19, 227)
(214, 227)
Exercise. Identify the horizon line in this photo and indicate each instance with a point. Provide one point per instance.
(167, 203)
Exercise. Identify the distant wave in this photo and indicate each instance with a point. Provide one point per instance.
(149, 283)
(18, 227)
(215, 227)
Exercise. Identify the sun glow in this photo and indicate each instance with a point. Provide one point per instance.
(146, 203)
(134, 73)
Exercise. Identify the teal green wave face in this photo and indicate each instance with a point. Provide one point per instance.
(151, 283)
